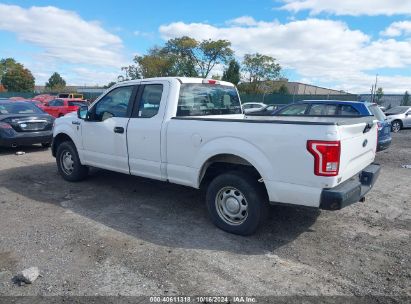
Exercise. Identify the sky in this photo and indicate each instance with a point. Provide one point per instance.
(340, 44)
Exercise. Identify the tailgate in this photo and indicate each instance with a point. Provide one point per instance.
(358, 146)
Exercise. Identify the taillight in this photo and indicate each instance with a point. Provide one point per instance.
(4, 125)
(326, 156)
(380, 126)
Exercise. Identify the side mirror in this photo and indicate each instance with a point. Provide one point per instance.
(406, 114)
(82, 112)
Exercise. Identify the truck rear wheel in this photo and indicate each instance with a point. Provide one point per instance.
(68, 162)
(236, 203)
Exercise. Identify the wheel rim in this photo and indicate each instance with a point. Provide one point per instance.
(231, 205)
(396, 126)
(67, 162)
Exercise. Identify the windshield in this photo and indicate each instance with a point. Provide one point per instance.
(198, 99)
(19, 108)
(397, 110)
(377, 112)
(64, 95)
(76, 103)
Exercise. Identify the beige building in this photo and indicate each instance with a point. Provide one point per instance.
(298, 88)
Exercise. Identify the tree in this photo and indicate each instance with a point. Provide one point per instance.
(109, 85)
(259, 68)
(406, 99)
(283, 89)
(5, 65)
(379, 94)
(232, 73)
(17, 78)
(199, 58)
(183, 56)
(56, 82)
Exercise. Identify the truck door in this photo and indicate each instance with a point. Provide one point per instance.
(144, 133)
(104, 130)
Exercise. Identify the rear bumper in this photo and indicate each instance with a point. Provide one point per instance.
(28, 138)
(383, 144)
(350, 191)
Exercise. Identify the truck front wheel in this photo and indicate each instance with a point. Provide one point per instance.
(68, 162)
(236, 202)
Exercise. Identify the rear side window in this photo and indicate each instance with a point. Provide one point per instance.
(323, 110)
(297, 109)
(150, 100)
(198, 99)
(347, 110)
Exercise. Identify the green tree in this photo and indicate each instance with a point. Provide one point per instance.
(18, 79)
(198, 57)
(283, 89)
(109, 85)
(5, 65)
(259, 68)
(183, 56)
(183, 52)
(406, 99)
(56, 82)
(379, 94)
(232, 73)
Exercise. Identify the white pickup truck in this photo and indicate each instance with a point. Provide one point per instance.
(192, 132)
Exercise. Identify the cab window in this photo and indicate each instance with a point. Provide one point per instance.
(150, 100)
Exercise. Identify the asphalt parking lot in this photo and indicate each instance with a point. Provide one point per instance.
(115, 234)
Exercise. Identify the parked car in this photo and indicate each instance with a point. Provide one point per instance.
(16, 98)
(154, 128)
(71, 96)
(399, 117)
(263, 111)
(44, 98)
(341, 108)
(249, 107)
(22, 123)
(60, 107)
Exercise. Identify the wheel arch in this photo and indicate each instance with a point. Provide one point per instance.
(57, 140)
(224, 162)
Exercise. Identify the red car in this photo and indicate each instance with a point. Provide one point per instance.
(44, 98)
(60, 107)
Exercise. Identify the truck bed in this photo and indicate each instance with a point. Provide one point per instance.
(307, 120)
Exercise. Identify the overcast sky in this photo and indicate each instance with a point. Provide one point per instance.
(331, 43)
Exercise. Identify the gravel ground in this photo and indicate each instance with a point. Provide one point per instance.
(119, 235)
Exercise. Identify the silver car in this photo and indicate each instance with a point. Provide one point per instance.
(399, 117)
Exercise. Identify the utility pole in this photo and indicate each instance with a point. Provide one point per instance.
(374, 88)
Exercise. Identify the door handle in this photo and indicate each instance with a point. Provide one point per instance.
(75, 122)
(118, 130)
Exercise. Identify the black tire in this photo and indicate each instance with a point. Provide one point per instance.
(394, 127)
(249, 188)
(46, 145)
(78, 172)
